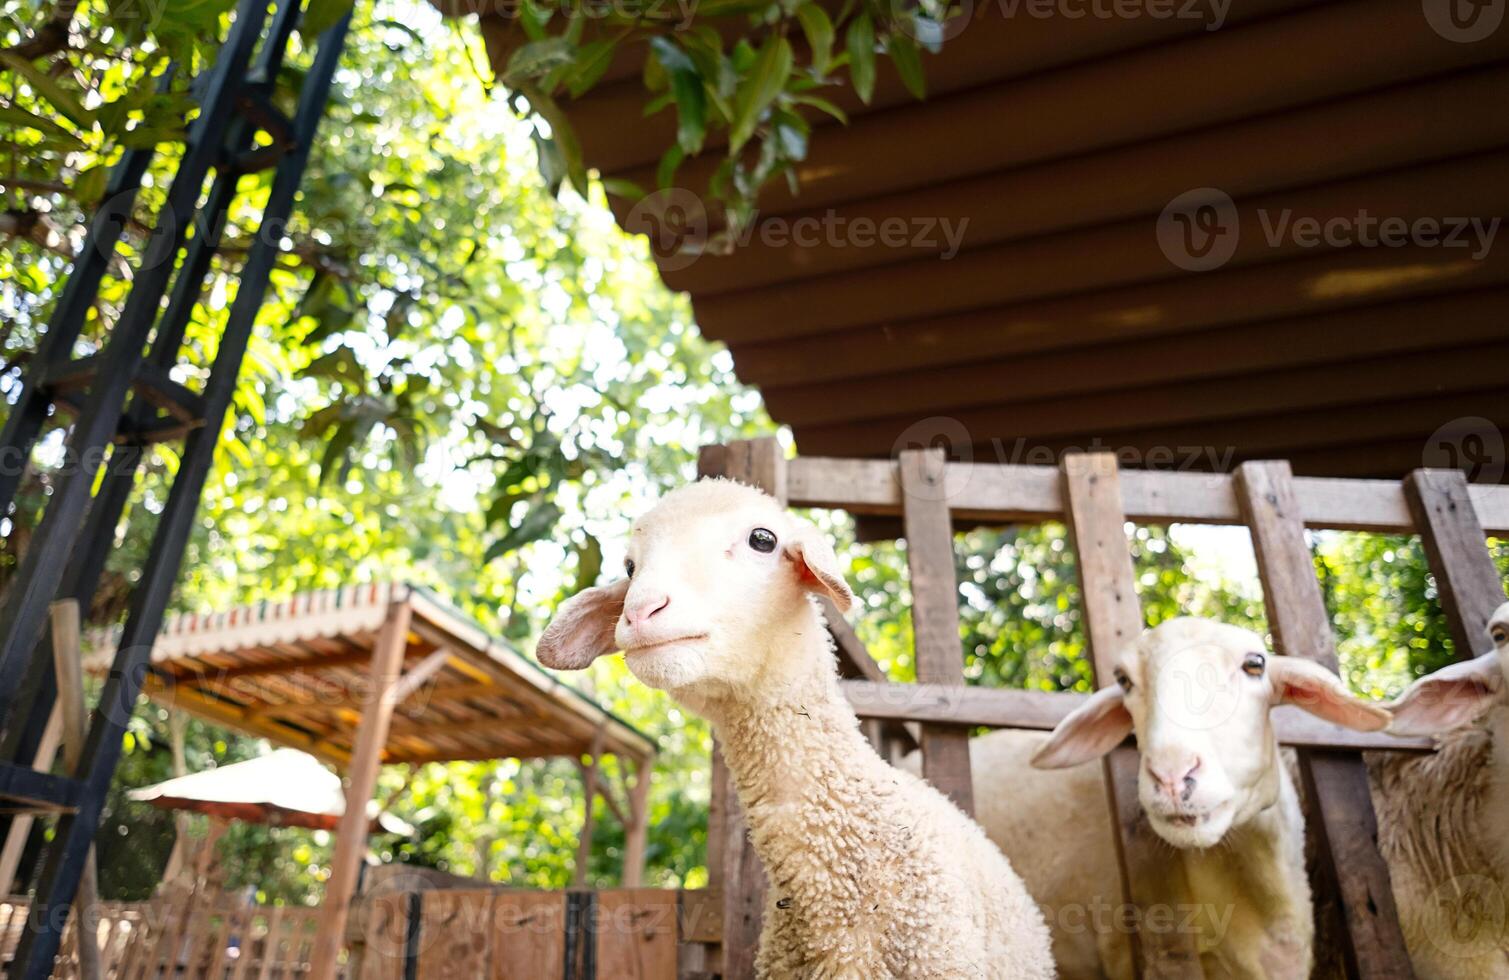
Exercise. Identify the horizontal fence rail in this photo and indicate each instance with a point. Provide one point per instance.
(1002, 707)
(1008, 493)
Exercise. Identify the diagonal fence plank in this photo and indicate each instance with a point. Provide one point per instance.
(1467, 580)
(1113, 620)
(1335, 782)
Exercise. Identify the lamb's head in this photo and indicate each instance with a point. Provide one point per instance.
(1456, 695)
(717, 586)
(1198, 694)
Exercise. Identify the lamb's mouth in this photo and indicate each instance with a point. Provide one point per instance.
(648, 647)
(1188, 820)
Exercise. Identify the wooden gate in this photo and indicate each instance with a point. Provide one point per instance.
(1095, 499)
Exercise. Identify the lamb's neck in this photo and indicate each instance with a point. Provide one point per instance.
(794, 741)
(1263, 858)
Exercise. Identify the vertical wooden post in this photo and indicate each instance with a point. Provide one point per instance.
(1336, 782)
(1096, 519)
(591, 772)
(67, 653)
(636, 834)
(733, 867)
(1466, 577)
(935, 613)
(361, 781)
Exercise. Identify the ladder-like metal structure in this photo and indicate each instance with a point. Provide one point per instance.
(124, 399)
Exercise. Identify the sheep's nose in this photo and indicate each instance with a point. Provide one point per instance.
(640, 609)
(1177, 781)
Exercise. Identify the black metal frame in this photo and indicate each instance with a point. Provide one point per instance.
(67, 553)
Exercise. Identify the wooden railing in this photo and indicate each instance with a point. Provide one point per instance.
(1095, 499)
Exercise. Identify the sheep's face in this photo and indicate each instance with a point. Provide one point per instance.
(1198, 694)
(1457, 695)
(718, 577)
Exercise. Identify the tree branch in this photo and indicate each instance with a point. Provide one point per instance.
(50, 37)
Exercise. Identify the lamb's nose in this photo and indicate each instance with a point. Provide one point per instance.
(641, 608)
(1177, 781)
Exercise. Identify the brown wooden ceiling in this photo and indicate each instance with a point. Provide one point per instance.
(1061, 323)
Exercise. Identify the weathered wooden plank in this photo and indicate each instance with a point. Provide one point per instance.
(701, 916)
(1336, 783)
(1113, 620)
(935, 612)
(1466, 577)
(636, 933)
(528, 935)
(454, 935)
(1001, 707)
(386, 938)
(1009, 493)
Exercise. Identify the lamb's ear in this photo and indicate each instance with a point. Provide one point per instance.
(1311, 687)
(1449, 698)
(582, 629)
(1091, 730)
(817, 565)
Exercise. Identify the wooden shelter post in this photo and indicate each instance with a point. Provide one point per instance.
(1336, 783)
(637, 831)
(1096, 517)
(591, 774)
(361, 781)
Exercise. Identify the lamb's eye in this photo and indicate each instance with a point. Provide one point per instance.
(628, 568)
(1123, 680)
(1254, 664)
(762, 540)
(1500, 635)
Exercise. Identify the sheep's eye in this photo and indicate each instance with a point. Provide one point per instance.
(762, 540)
(1500, 635)
(1123, 680)
(628, 568)
(1254, 664)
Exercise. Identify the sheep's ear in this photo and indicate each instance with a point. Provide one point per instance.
(582, 629)
(817, 566)
(1449, 698)
(1311, 687)
(1091, 730)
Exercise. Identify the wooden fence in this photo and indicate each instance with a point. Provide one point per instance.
(492, 934)
(1095, 499)
(183, 936)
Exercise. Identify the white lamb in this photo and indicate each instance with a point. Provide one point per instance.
(1213, 784)
(1444, 818)
(873, 873)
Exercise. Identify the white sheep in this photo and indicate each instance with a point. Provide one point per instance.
(872, 872)
(1213, 783)
(1444, 818)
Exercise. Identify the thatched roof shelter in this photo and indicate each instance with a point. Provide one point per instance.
(297, 672)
